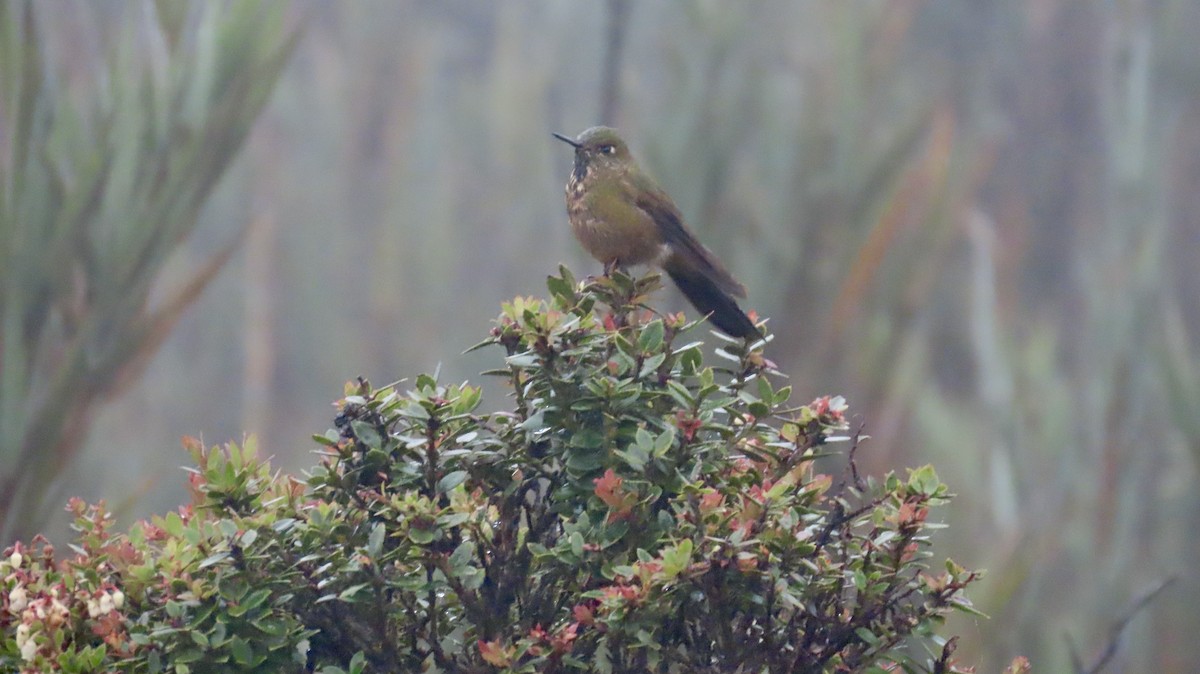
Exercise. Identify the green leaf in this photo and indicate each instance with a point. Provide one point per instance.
(522, 361)
(924, 480)
(561, 288)
(468, 401)
(375, 540)
(860, 580)
(322, 439)
(584, 461)
(651, 365)
(587, 438)
(664, 441)
(644, 440)
(867, 636)
(463, 555)
(249, 537)
(765, 393)
(566, 275)
(451, 480)
(255, 599)
(635, 457)
(651, 338)
(676, 559)
(243, 654)
(420, 536)
(349, 593)
(213, 559)
(366, 434)
(452, 519)
(962, 604)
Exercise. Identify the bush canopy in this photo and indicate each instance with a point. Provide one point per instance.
(633, 510)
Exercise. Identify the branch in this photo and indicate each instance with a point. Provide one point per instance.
(1116, 632)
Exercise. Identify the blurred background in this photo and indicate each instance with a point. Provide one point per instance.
(979, 221)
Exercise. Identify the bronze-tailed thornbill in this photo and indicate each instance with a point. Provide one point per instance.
(622, 217)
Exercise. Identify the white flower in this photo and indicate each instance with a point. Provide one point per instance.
(118, 599)
(18, 599)
(58, 613)
(106, 604)
(22, 634)
(93, 608)
(15, 559)
(838, 404)
(29, 650)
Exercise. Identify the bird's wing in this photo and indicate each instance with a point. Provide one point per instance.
(651, 199)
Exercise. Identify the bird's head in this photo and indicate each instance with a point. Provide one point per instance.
(600, 149)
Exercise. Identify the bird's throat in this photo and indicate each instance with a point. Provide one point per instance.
(580, 174)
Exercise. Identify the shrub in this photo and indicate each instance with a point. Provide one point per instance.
(635, 510)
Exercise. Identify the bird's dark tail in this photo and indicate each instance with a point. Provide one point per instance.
(704, 294)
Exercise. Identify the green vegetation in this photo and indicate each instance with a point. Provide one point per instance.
(96, 193)
(977, 221)
(634, 510)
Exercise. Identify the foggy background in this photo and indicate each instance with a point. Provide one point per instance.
(977, 220)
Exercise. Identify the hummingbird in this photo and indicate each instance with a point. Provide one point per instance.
(622, 217)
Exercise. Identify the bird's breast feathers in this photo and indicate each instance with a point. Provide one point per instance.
(611, 227)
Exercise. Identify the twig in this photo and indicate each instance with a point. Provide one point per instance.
(858, 482)
(1116, 632)
(943, 664)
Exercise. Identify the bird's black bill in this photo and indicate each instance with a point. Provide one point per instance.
(567, 139)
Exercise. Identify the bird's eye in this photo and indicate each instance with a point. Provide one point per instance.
(607, 149)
